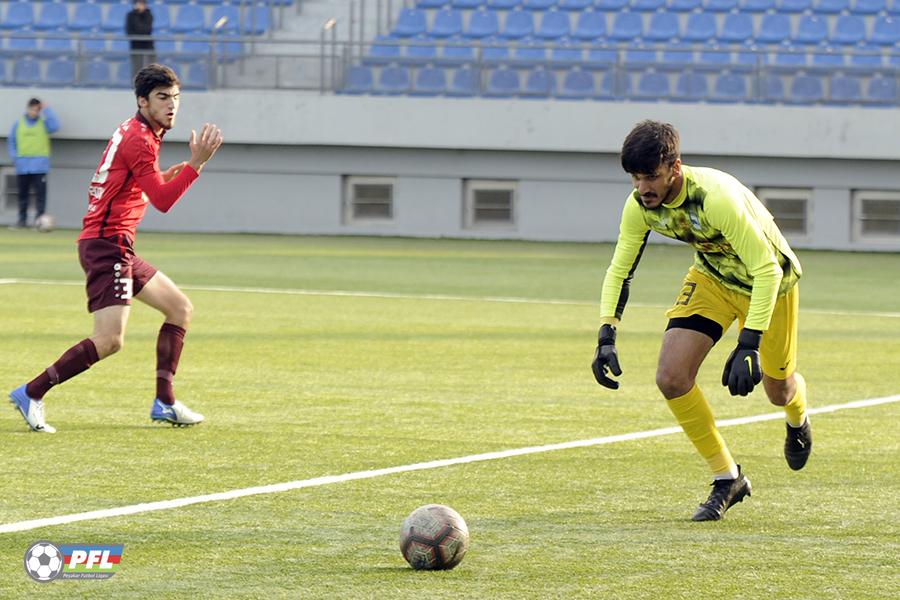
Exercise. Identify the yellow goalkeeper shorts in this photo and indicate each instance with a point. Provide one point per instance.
(707, 306)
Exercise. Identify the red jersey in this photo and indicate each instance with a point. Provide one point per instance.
(126, 179)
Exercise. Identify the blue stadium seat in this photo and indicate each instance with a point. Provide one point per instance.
(714, 57)
(554, 25)
(538, 4)
(87, 17)
(614, 86)
(467, 4)
(447, 22)
(502, 83)
(691, 87)
(503, 4)
(647, 5)
(601, 57)
(529, 52)
(844, 89)
(894, 7)
(611, 5)
(392, 81)
(794, 6)
(684, 5)
(162, 22)
(410, 22)
(429, 81)
(60, 72)
(848, 30)
(57, 46)
(384, 49)
(867, 58)
(772, 89)
(195, 49)
(736, 28)
(882, 90)
(96, 73)
(868, 7)
(664, 26)
(806, 89)
(456, 51)
(577, 85)
(831, 7)
(774, 28)
(421, 49)
(749, 57)
(114, 19)
(189, 18)
(358, 80)
(229, 12)
(811, 29)
(421, 4)
(885, 31)
(122, 77)
(652, 87)
(700, 27)
(677, 56)
(518, 24)
(494, 51)
(482, 23)
(590, 26)
(575, 5)
(258, 21)
(720, 5)
(566, 53)
(827, 58)
(19, 17)
(790, 58)
(166, 50)
(22, 44)
(627, 26)
(639, 56)
(465, 82)
(757, 6)
(540, 83)
(51, 16)
(729, 87)
(26, 71)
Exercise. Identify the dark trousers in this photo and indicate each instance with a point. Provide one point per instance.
(37, 181)
(140, 59)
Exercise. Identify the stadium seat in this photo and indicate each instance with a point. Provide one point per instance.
(423, 4)
(614, 85)
(229, 12)
(26, 71)
(831, 7)
(601, 57)
(258, 21)
(2, 71)
(714, 57)
(189, 18)
(652, 87)
(96, 73)
(639, 56)
(392, 81)
(885, 31)
(87, 17)
(774, 28)
(420, 49)
(456, 51)
(554, 25)
(894, 7)
(590, 26)
(482, 23)
(611, 5)
(494, 51)
(827, 58)
(647, 5)
(700, 27)
(410, 22)
(577, 85)
(114, 19)
(60, 72)
(503, 4)
(691, 87)
(772, 89)
(57, 45)
(790, 58)
(502, 83)
(794, 6)
(627, 26)
(736, 28)
(384, 49)
(811, 29)
(464, 83)
(358, 80)
(575, 5)
(844, 89)
(848, 30)
(806, 89)
(529, 52)
(22, 44)
(729, 87)
(757, 6)
(52, 16)
(882, 90)
(867, 58)
(196, 76)
(566, 53)
(664, 26)
(122, 77)
(466, 4)
(723, 6)
(539, 5)
(677, 56)
(540, 83)
(19, 17)
(429, 81)
(518, 24)
(447, 22)
(867, 7)
(684, 5)
(162, 22)
(195, 49)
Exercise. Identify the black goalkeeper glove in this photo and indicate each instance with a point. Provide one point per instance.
(606, 358)
(742, 367)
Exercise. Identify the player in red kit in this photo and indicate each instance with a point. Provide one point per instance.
(127, 178)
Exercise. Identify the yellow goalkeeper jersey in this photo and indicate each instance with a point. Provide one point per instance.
(736, 240)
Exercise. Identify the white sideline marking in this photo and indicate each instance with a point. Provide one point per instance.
(434, 464)
(448, 297)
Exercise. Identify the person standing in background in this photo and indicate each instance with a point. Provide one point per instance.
(29, 148)
(139, 27)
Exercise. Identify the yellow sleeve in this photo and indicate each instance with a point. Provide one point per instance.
(633, 233)
(730, 213)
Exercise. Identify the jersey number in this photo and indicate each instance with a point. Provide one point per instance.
(687, 292)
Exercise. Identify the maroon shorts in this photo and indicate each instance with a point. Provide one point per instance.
(114, 273)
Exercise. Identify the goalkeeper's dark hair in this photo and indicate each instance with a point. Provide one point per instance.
(650, 145)
(153, 76)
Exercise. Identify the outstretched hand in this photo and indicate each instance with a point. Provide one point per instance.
(173, 171)
(204, 147)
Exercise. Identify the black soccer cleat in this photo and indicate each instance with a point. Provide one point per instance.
(798, 445)
(725, 494)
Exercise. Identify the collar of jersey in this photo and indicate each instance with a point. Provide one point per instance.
(682, 194)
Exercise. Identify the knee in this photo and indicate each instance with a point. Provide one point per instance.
(673, 384)
(181, 314)
(780, 392)
(109, 344)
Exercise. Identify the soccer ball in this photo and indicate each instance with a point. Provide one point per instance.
(45, 223)
(434, 537)
(43, 561)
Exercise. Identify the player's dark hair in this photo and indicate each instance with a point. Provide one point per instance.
(153, 76)
(650, 145)
(34, 102)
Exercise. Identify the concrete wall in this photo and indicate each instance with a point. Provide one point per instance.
(286, 153)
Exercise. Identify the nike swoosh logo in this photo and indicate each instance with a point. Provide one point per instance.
(749, 363)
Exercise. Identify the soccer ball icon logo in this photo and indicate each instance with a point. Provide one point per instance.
(43, 561)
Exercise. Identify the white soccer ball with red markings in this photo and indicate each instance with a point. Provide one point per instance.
(43, 561)
(434, 537)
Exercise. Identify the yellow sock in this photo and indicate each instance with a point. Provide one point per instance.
(696, 419)
(795, 410)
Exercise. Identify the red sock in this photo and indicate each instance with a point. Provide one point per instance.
(168, 351)
(75, 360)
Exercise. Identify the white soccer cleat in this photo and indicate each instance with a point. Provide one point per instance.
(177, 414)
(32, 410)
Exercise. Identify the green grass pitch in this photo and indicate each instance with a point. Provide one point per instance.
(439, 363)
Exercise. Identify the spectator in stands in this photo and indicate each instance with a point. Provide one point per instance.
(29, 148)
(139, 27)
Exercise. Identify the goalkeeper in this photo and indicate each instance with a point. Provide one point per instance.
(743, 269)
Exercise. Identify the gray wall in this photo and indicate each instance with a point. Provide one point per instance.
(285, 154)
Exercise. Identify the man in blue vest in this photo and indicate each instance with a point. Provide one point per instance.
(29, 148)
